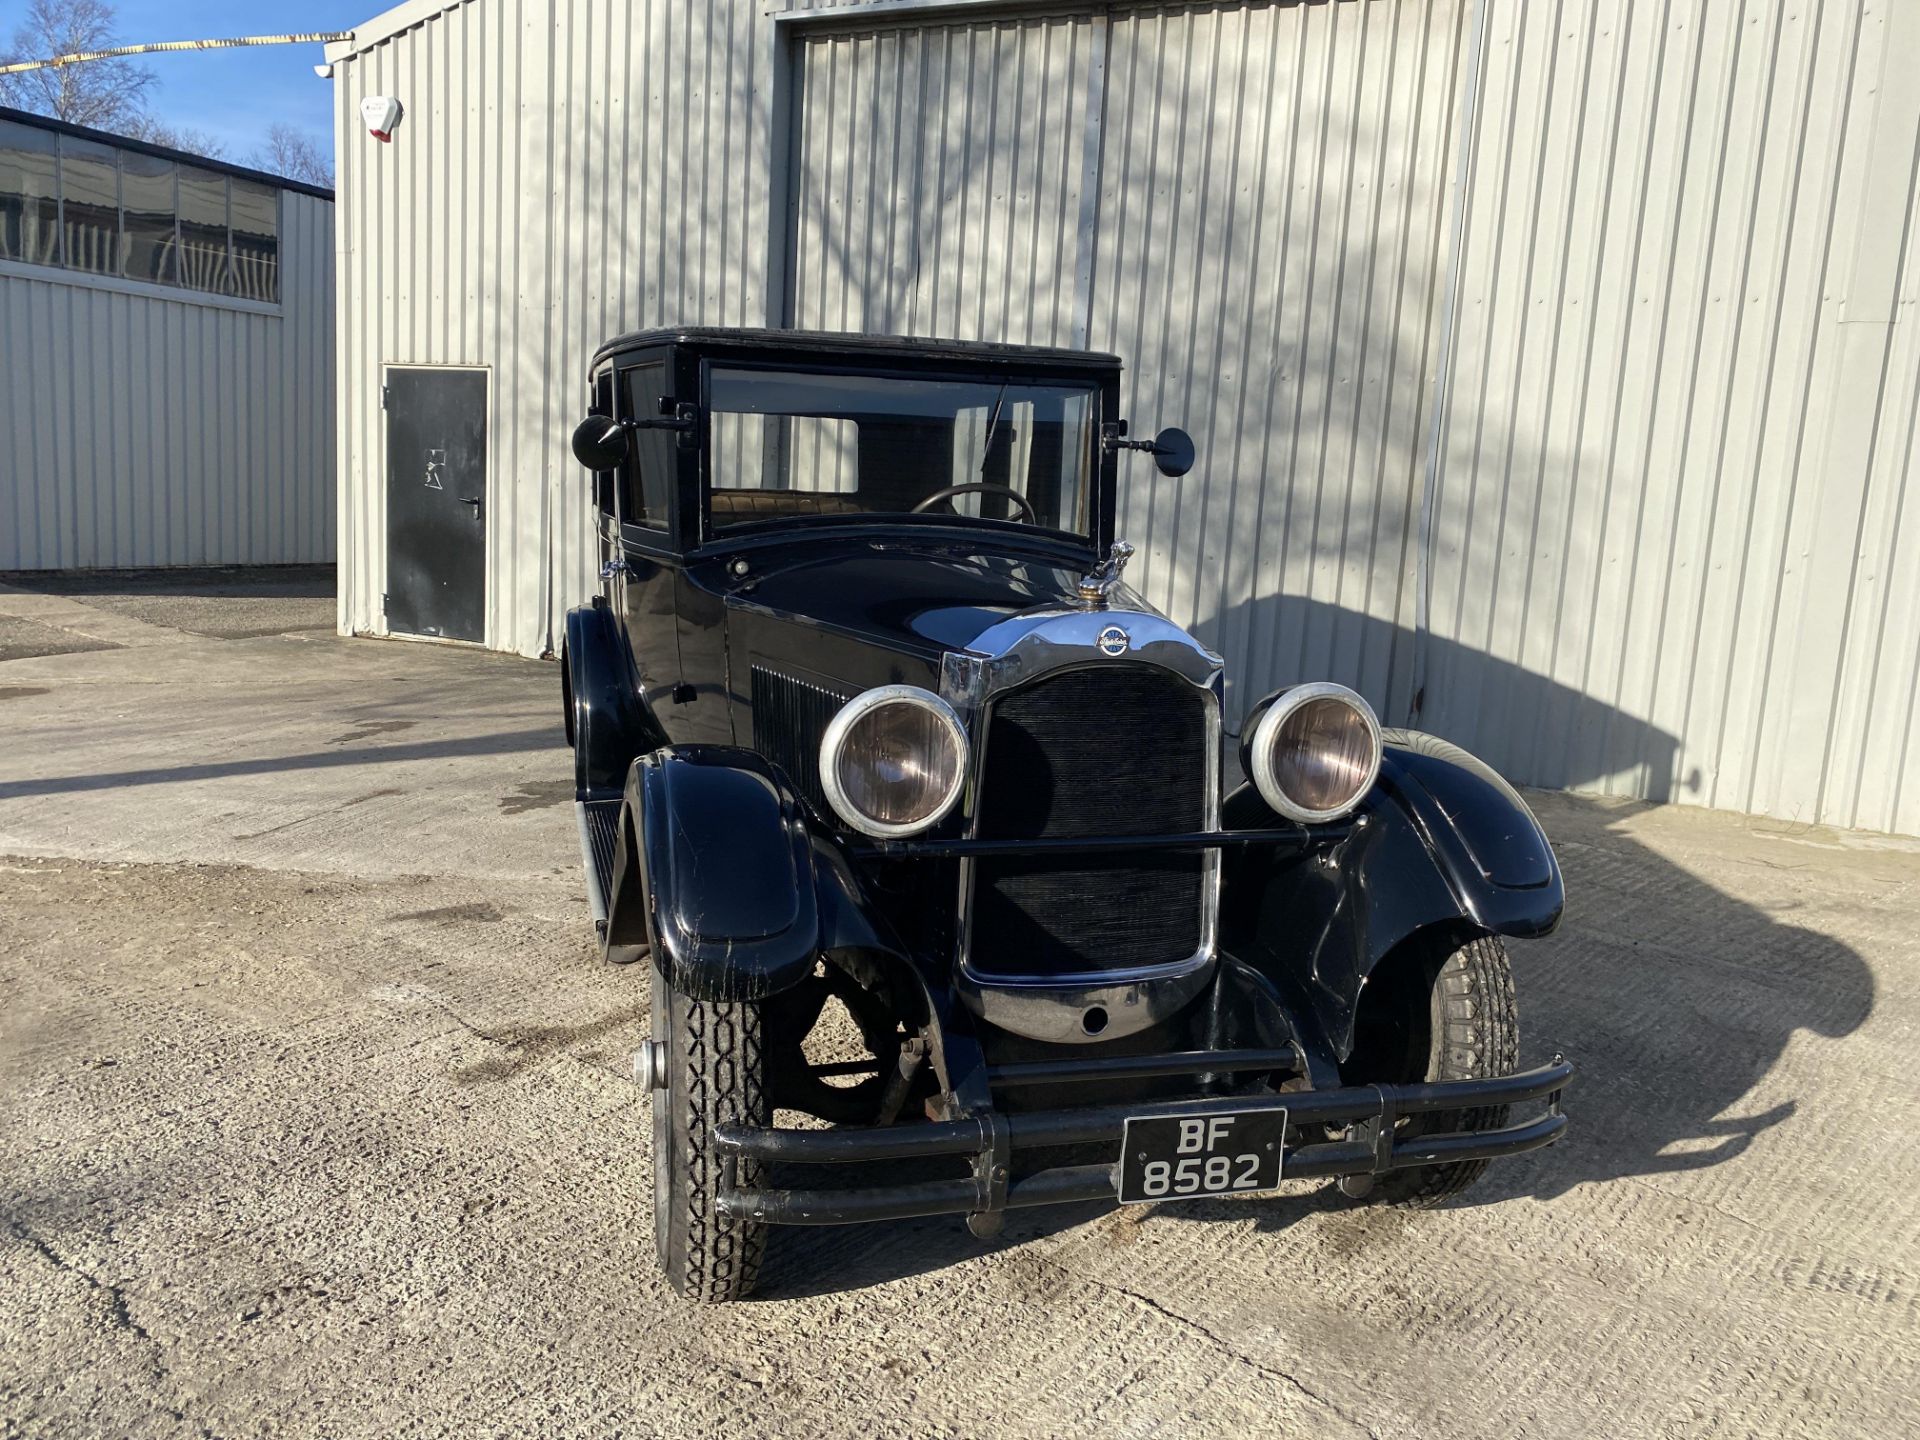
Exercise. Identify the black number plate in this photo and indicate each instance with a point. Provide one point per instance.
(1169, 1157)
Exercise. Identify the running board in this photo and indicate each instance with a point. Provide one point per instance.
(599, 822)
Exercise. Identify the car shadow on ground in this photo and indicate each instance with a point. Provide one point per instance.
(1676, 999)
(1673, 997)
(805, 1261)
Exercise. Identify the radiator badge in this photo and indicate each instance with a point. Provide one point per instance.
(1112, 641)
(1096, 587)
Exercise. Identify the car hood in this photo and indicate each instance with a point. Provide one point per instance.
(918, 598)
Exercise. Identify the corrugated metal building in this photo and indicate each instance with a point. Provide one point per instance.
(167, 327)
(1554, 367)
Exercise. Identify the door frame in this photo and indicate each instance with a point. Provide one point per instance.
(485, 642)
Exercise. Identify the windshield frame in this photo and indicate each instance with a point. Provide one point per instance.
(1096, 463)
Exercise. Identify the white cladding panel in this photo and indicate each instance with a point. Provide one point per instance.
(1622, 296)
(142, 426)
(1271, 242)
(563, 173)
(1674, 556)
(940, 178)
(1245, 203)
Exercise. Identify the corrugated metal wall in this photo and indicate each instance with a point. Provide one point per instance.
(566, 171)
(1677, 546)
(137, 430)
(940, 178)
(1610, 304)
(1245, 202)
(1270, 246)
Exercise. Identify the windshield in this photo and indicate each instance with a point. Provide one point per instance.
(786, 443)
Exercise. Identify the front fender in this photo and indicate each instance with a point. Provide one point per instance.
(720, 868)
(607, 721)
(1441, 840)
(1496, 861)
(715, 871)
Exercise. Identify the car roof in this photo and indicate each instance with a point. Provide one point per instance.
(877, 347)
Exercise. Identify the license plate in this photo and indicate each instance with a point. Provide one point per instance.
(1169, 1157)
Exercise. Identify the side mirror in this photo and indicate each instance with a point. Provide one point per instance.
(1173, 452)
(1172, 449)
(600, 443)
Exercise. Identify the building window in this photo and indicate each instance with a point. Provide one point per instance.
(85, 206)
(148, 215)
(29, 197)
(89, 208)
(205, 242)
(256, 240)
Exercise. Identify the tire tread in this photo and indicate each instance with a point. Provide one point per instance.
(715, 1050)
(1476, 1033)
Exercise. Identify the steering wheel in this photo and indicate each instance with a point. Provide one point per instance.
(977, 487)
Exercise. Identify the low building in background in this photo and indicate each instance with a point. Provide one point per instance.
(166, 323)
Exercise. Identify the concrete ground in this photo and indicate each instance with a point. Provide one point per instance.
(314, 1119)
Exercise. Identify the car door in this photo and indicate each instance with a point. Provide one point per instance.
(637, 516)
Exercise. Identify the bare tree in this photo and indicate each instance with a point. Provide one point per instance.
(175, 137)
(106, 94)
(293, 154)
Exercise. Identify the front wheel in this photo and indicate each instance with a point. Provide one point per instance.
(1448, 1014)
(716, 1075)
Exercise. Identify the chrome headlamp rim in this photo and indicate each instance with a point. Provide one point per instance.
(836, 735)
(1266, 735)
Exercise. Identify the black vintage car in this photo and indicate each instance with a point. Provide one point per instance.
(866, 717)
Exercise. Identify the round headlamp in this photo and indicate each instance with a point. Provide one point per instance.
(893, 760)
(1313, 751)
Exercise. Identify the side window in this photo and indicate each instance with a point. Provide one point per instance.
(823, 454)
(646, 481)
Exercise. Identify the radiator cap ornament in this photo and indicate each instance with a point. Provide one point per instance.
(1096, 587)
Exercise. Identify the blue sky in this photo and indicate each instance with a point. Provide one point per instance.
(234, 95)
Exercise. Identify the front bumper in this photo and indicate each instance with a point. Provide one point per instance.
(989, 1141)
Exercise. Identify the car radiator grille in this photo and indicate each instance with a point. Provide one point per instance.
(1110, 750)
(789, 718)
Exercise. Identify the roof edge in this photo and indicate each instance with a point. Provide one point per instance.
(853, 342)
(387, 24)
(163, 152)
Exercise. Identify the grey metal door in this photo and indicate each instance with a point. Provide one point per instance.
(436, 502)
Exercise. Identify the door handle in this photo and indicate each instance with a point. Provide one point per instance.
(473, 500)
